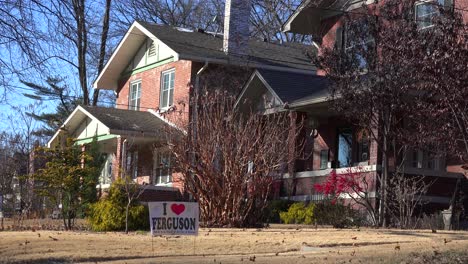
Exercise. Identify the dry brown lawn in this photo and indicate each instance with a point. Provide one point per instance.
(271, 245)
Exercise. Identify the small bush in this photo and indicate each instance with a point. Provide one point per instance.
(337, 214)
(299, 213)
(275, 207)
(108, 214)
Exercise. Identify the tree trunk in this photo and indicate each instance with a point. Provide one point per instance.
(126, 217)
(102, 50)
(383, 183)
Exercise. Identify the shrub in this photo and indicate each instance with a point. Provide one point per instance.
(299, 213)
(275, 207)
(337, 214)
(108, 214)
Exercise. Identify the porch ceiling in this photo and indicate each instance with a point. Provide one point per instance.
(309, 15)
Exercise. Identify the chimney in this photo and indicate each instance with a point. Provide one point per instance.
(236, 27)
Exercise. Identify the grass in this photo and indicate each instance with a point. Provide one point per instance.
(271, 245)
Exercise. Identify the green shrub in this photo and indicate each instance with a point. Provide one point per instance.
(274, 208)
(337, 214)
(108, 214)
(299, 213)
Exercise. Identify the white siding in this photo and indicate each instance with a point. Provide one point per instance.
(142, 59)
(89, 128)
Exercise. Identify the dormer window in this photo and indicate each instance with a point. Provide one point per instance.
(426, 11)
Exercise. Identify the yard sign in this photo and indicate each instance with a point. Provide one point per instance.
(173, 218)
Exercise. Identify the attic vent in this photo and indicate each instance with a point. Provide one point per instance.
(152, 49)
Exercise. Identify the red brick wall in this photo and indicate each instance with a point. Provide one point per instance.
(151, 85)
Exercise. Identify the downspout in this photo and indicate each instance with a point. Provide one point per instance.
(196, 93)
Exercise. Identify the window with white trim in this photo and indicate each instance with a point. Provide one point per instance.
(424, 160)
(106, 171)
(134, 96)
(426, 11)
(162, 168)
(167, 89)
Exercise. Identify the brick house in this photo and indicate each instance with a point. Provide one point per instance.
(337, 144)
(156, 68)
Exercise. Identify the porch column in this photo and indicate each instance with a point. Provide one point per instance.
(117, 165)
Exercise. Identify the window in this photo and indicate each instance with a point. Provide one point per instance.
(358, 42)
(167, 89)
(324, 159)
(106, 172)
(426, 11)
(424, 160)
(134, 97)
(132, 164)
(162, 168)
(345, 143)
(362, 142)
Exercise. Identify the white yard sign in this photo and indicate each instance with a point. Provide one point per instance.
(173, 218)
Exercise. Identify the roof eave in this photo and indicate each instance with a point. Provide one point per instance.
(240, 63)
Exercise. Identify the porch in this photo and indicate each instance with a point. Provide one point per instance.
(133, 145)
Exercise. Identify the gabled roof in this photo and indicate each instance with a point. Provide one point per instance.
(197, 45)
(112, 121)
(203, 47)
(293, 89)
(126, 120)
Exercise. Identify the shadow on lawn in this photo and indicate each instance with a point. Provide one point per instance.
(461, 235)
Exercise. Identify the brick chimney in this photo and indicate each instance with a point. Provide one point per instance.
(236, 27)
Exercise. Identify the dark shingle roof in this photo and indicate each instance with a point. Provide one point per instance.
(294, 87)
(205, 45)
(126, 120)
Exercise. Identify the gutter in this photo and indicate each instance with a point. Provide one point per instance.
(311, 71)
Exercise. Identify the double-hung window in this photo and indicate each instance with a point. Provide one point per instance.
(167, 89)
(135, 95)
(359, 42)
(162, 168)
(426, 11)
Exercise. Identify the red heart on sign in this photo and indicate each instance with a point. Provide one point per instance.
(177, 208)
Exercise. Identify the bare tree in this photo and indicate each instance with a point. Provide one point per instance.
(268, 17)
(132, 191)
(229, 159)
(193, 14)
(406, 196)
(55, 38)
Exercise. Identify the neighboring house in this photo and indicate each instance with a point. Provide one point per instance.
(338, 145)
(155, 69)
